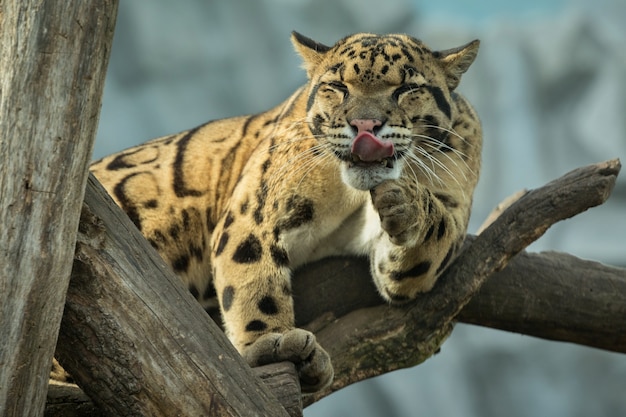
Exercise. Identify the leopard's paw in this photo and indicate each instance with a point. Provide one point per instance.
(298, 346)
(397, 210)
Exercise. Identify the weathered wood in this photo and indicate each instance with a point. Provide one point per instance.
(134, 338)
(52, 68)
(67, 400)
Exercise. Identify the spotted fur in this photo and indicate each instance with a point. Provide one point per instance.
(375, 155)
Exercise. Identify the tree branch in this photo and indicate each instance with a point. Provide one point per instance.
(365, 337)
(380, 339)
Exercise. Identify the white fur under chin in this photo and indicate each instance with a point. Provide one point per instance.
(368, 178)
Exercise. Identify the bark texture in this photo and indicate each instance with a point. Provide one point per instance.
(52, 67)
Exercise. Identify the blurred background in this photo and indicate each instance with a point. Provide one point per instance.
(550, 86)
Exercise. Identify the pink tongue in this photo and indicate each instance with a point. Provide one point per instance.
(369, 148)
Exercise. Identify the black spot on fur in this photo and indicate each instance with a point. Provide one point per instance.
(209, 292)
(222, 244)
(441, 231)
(194, 291)
(181, 263)
(419, 269)
(174, 231)
(447, 200)
(127, 205)
(229, 220)
(445, 261)
(248, 251)
(244, 207)
(300, 210)
(180, 185)
(256, 326)
(429, 233)
(279, 255)
(228, 295)
(196, 252)
(209, 221)
(151, 204)
(267, 305)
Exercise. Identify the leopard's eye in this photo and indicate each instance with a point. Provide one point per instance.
(403, 89)
(338, 86)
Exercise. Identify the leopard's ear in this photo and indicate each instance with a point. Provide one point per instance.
(312, 52)
(456, 61)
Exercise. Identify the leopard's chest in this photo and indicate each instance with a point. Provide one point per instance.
(338, 232)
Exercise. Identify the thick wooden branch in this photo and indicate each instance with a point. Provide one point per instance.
(134, 338)
(52, 65)
(549, 295)
(379, 339)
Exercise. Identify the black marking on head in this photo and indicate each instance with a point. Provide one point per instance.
(222, 244)
(279, 255)
(180, 185)
(228, 295)
(246, 124)
(248, 251)
(151, 204)
(316, 126)
(126, 203)
(440, 99)
(194, 291)
(447, 200)
(441, 231)
(181, 263)
(267, 305)
(256, 326)
(419, 269)
(311, 100)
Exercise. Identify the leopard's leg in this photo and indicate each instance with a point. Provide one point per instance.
(252, 280)
(421, 233)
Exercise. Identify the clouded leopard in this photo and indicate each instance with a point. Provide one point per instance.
(375, 155)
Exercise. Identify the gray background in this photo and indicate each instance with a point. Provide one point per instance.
(549, 85)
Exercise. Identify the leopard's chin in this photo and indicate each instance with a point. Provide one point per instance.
(367, 175)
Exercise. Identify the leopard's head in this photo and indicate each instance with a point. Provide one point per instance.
(380, 102)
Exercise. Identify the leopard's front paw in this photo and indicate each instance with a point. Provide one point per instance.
(398, 212)
(298, 346)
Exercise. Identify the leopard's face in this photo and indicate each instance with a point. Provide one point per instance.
(378, 103)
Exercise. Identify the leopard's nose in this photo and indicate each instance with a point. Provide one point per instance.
(366, 125)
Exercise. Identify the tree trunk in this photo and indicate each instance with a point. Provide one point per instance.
(52, 68)
(134, 338)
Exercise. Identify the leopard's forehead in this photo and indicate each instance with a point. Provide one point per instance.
(386, 59)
